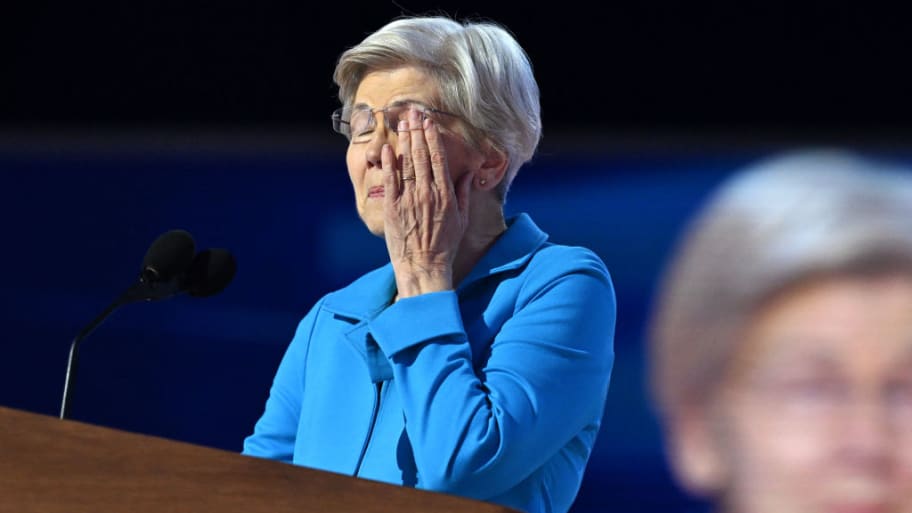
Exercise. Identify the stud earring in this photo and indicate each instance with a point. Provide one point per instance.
(482, 181)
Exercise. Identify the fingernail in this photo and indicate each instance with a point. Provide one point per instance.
(427, 122)
(403, 125)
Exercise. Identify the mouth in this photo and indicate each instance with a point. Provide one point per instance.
(375, 192)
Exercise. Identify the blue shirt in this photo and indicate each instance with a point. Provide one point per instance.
(493, 391)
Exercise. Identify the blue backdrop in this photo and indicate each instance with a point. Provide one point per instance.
(79, 217)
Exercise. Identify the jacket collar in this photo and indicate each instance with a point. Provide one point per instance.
(367, 296)
(510, 251)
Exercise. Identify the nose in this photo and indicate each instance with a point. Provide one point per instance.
(380, 136)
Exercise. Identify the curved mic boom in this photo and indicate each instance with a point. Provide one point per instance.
(168, 268)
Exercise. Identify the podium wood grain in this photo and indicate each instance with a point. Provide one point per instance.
(50, 465)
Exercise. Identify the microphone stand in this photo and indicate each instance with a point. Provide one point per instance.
(74, 357)
(142, 290)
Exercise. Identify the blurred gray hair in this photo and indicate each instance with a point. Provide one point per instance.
(483, 74)
(780, 222)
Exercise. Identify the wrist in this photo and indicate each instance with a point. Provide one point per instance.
(414, 282)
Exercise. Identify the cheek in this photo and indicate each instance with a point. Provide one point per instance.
(351, 162)
(460, 158)
(782, 440)
(775, 464)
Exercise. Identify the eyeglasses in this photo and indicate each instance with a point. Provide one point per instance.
(358, 124)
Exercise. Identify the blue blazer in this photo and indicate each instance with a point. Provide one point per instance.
(493, 391)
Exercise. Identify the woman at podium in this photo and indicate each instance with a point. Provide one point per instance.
(477, 361)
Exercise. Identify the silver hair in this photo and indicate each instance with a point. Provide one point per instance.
(783, 221)
(484, 76)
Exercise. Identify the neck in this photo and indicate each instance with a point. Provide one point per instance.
(486, 224)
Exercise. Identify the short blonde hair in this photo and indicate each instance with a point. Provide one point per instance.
(783, 221)
(484, 76)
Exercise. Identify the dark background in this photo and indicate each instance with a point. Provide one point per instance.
(121, 120)
(808, 66)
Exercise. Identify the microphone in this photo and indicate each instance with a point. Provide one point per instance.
(169, 255)
(168, 268)
(163, 270)
(210, 272)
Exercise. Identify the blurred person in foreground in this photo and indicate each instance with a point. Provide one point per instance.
(477, 361)
(782, 340)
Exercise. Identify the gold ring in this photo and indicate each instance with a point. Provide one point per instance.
(406, 178)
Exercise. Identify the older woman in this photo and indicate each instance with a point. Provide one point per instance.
(477, 361)
(783, 341)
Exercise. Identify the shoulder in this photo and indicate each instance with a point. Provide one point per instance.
(566, 273)
(553, 261)
(368, 281)
(362, 297)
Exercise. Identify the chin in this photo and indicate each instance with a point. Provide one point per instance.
(374, 226)
(372, 220)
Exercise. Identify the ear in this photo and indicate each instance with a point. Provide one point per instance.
(492, 169)
(696, 452)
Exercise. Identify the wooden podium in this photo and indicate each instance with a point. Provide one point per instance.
(50, 465)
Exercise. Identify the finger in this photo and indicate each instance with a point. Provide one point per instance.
(437, 155)
(420, 157)
(406, 164)
(391, 188)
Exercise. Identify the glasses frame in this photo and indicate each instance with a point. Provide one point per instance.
(342, 125)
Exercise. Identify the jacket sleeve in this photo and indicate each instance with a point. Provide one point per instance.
(481, 432)
(274, 434)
